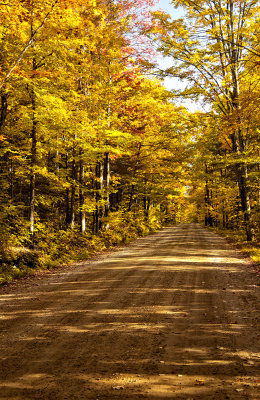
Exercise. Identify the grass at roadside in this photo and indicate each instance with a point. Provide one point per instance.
(251, 249)
(52, 249)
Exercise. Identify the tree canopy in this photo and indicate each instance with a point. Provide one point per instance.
(91, 143)
(215, 48)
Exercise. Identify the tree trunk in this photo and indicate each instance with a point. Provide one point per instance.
(33, 163)
(245, 201)
(57, 163)
(73, 194)
(208, 216)
(3, 112)
(67, 218)
(147, 209)
(242, 178)
(238, 142)
(81, 197)
(258, 169)
(107, 182)
(131, 197)
(146, 201)
(99, 181)
(11, 179)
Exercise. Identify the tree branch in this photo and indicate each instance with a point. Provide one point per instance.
(27, 46)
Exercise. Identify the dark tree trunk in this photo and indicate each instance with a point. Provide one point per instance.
(146, 201)
(98, 189)
(107, 182)
(245, 201)
(115, 199)
(33, 163)
(11, 178)
(131, 197)
(242, 178)
(3, 112)
(67, 193)
(208, 215)
(73, 194)
(258, 194)
(81, 197)
(146, 212)
(239, 147)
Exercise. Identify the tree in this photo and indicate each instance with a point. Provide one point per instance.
(211, 48)
(41, 89)
(152, 167)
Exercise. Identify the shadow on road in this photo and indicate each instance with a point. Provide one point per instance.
(172, 316)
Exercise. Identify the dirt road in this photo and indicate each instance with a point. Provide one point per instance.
(172, 316)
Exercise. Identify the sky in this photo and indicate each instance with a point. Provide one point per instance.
(166, 6)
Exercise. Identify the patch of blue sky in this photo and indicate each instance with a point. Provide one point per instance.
(165, 62)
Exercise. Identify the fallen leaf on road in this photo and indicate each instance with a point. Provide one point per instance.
(199, 382)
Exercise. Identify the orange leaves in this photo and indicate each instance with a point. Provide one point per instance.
(34, 74)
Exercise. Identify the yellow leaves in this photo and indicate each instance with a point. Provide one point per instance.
(77, 4)
(196, 59)
(89, 205)
(216, 47)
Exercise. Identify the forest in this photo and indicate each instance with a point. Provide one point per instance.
(95, 151)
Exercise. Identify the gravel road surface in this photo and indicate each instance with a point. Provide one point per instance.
(170, 316)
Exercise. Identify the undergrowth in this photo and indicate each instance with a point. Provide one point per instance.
(52, 249)
(252, 249)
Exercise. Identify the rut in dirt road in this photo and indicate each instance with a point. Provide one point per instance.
(172, 316)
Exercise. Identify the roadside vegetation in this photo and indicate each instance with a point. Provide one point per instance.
(251, 249)
(56, 248)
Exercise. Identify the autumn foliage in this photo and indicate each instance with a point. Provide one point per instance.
(87, 140)
(93, 150)
(215, 49)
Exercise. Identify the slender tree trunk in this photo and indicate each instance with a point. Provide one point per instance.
(146, 201)
(238, 142)
(224, 215)
(242, 177)
(107, 182)
(101, 196)
(3, 111)
(97, 196)
(147, 209)
(258, 169)
(67, 192)
(11, 179)
(99, 181)
(81, 197)
(57, 163)
(132, 190)
(94, 198)
(33, 163)
(208, 216)
(73, 194)
(145, 198)
(131, 197)
(115, 199)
